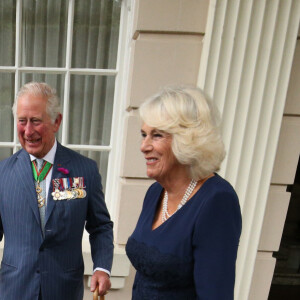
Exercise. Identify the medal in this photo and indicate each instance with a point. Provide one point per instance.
(38, 188)
(41, 200)
(56, 194)
(63, 195)
(38, 177)
(68, 188)
(79, 193)
(74, 193)
(69, 195)
(56, 189)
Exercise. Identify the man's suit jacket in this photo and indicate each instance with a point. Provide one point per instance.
(54, 263)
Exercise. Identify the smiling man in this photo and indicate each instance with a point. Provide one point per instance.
(48, 193)
(36, 130)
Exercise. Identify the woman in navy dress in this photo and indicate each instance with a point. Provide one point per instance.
(185, 243)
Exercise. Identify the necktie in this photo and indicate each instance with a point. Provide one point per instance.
(41, 186)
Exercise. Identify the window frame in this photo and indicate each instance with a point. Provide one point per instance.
(114, 158)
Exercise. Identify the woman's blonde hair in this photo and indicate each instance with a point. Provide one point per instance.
(187, 114)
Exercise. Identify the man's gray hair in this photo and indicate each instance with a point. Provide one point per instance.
(44, 90)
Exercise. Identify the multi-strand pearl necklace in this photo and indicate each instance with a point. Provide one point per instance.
(188, 192)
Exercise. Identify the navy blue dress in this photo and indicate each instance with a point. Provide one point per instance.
(192, 255)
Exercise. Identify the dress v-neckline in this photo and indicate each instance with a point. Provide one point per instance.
(159, 199)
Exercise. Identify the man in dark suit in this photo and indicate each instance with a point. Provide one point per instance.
(48, 193)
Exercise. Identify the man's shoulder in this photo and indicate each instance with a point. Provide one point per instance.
(8, 164)
(73, 155)
(11, 159)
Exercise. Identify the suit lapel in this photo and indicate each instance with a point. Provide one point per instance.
(24, 175)
(61, 160)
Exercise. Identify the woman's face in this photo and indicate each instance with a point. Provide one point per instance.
(160, 160)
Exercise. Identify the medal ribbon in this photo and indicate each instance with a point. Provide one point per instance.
(40, 176)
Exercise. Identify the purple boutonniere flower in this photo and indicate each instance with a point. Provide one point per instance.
(63, 170)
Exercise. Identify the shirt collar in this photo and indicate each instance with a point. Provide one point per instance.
(49, 156)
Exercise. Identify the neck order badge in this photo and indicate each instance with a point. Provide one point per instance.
(39, 175)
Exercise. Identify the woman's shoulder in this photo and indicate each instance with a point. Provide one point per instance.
(155, 186)
(218, 195)
(152, 194)
(217, 185)
(154, 189)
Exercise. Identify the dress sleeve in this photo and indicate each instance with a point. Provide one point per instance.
(215, 243)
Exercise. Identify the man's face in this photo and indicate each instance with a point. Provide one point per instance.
(36, 131)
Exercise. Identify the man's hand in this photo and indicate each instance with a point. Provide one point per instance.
(102, 279)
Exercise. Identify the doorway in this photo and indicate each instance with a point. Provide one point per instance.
(286, 278)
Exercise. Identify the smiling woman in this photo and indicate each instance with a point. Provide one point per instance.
(185, 242)
(193, 125)
(157, 148)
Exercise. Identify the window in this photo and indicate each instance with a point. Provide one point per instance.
(73, 46)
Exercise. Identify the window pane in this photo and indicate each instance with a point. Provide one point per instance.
(96, 34)
(7, 32)
(54, 80)
(7, 86)
(44, 33)
(90, 109)
(5, 153)
(101, 159)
